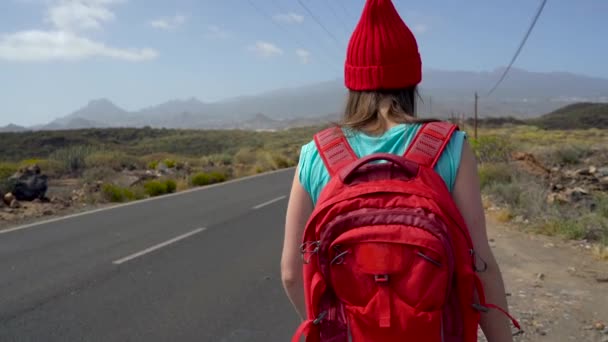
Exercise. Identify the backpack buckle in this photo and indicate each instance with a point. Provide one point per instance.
(319, 318)
(480, 308)
(381, 278)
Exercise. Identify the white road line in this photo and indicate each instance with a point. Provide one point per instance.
(116, 206)
(155, 247)
(268, 203)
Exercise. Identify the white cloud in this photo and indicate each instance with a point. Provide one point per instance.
(38, 46)
(168, 23)
(421, 28)
(265, 49)
(304, 55)
(216, 32)
(63, 41)
(289, 18)
(74, 15)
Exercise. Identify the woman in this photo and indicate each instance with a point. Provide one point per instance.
(382, 72)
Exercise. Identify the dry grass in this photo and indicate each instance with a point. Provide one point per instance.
(523, 195)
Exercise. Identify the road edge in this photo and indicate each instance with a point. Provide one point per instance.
(137, 202)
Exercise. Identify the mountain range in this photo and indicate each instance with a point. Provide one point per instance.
(523, 94)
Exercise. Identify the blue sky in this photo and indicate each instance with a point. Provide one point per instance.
(56, 55)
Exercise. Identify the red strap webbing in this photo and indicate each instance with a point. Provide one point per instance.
(430, 142)
(334, 149)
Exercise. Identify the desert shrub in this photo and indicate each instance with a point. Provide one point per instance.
(280, 162)
(170, 163)
(223, 159)
(490, 173)
(99, 173)
(170, 186)
(155, 158)
(73, 159)
(571, 155)
(568, 228)
(492, 149)
(51, 168)
(203, 178)
(156, 187)
(601, 203)
(182, 184)
(245, 156)
(114, 193)
(504, 215)
(7, 170)
(522, 194)
(116, 160)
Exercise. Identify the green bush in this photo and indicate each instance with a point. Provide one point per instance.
(155, 188)
(7, 170)
(170, 186)
(158, 188)
(115, 193)
(170, 163)
(202, 179)
(152, 165)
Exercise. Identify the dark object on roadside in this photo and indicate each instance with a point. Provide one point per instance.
(29, 184)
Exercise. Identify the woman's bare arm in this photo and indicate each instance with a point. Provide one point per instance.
(299, 209)
(467, 196)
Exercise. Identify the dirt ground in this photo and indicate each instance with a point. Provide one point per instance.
(557, 290)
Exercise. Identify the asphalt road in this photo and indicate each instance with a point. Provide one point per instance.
(198, 266)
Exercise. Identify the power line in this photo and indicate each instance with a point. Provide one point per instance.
(348, 13)
(521, 45)
(281, 28)
(339, 18)
(315, 18)
(277, 4)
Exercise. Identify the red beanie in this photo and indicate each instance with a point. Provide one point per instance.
(382, 52)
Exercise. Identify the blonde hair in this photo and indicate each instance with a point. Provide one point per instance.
(362, 111)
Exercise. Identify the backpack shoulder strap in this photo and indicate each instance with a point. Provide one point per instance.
(334, 149)
(430, 142)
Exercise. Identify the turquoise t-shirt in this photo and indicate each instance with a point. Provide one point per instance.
(314, 176)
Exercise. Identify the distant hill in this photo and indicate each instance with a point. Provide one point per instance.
(522, 95)
(12, 128)
(575, 116)
(101, 110)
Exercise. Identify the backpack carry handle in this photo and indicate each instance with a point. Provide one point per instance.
(408, 167)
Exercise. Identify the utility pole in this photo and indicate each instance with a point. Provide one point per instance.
(475, 120)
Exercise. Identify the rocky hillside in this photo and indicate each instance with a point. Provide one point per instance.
(575, 116)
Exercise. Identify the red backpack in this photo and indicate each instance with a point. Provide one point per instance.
(387, 255)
